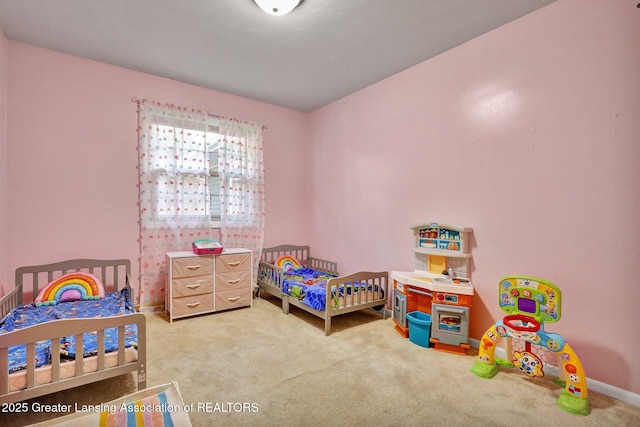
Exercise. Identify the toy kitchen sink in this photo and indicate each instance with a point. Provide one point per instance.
(439, 286)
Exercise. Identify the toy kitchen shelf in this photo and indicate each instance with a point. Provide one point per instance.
(442, 239)
(440, 245)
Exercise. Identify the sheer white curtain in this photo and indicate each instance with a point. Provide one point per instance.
(173, 188)
(242, 198)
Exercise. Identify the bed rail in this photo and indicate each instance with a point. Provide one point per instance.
(270, 255)
(114, 274)
(352, 292)
(269, 275)
(53, 331)
(323, 265)
(9, 301)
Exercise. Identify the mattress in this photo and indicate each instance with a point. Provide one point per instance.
(44, 374)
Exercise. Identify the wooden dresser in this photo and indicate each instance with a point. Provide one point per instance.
(197, 284)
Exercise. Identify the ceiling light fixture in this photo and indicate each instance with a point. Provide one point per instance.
(277, 7)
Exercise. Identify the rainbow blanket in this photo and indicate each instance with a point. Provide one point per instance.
(151, 411)
(160, 406)
(113, 304)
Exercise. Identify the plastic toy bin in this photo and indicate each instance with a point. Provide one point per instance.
(419, 328)
(206, 247)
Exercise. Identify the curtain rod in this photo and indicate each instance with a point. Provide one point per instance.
(214, 116)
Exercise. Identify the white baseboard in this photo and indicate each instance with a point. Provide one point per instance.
(595, 385)
(151, 309)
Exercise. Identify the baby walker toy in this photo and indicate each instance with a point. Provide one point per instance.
(529, 302)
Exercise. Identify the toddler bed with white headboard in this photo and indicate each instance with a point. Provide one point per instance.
(78, 304)
(290, 273)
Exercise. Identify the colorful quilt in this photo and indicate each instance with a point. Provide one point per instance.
(113, 304)
(310, 287)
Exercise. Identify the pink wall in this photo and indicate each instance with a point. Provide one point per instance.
(528, 134)
(5, 282)
(72, 156)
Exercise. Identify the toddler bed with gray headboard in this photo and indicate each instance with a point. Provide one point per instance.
(78, 304)
(290, 273)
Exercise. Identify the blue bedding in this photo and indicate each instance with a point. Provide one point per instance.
(310, 287)
(113, 304)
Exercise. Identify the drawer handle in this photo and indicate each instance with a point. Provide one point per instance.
(193, 267)
(234, 299)
(193, 304)
(194, 286)
(234, 264)
(233, 281)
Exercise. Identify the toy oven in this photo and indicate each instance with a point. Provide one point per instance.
(450, 324)
(400, 308)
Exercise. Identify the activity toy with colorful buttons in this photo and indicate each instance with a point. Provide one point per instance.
(529, 303)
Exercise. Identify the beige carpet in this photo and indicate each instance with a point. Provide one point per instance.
(259, 367)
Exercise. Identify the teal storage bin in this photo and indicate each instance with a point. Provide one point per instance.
(419, 328)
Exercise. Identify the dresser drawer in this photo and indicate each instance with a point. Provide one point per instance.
(234, 262)
(192, 305)
(192, 266)
(188, 286)
(234, 280)
(233, 298)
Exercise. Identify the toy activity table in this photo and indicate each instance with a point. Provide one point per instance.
(529, 303)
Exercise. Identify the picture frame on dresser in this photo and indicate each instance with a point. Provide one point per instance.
(202, 284)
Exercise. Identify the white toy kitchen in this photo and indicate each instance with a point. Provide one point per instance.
(440, 285)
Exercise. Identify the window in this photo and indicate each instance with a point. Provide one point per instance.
(185, 171)
(195, 172)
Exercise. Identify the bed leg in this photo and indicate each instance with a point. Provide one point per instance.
(285, 304)
(142, 380)
(327, 326)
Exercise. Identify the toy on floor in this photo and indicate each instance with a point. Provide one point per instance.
(529, 303)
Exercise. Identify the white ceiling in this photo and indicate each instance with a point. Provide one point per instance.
(322, 51)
